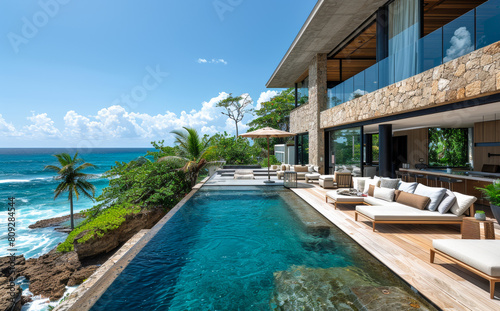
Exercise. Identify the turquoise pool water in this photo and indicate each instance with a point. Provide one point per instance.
(254, 250)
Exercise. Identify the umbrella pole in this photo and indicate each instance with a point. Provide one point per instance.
(268, 181)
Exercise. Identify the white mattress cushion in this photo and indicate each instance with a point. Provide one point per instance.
(393, 211)
(484, 255)
(462, 203)
(435, 194)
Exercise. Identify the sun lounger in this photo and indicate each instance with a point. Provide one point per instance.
(481, 257)
(243, 174)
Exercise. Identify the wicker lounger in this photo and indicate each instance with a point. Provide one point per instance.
(481, 257)
(395, 213)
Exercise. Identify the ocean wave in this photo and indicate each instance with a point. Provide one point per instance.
(11, 181)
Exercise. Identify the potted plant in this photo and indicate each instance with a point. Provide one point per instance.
(480, 215)
(491, 193)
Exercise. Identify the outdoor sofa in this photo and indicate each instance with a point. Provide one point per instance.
(481, 257)
(395, 202)
(304, 172)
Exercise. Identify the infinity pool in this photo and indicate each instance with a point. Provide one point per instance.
(255, 250)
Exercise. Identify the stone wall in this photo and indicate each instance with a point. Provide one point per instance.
(473, 75)
(301, 119)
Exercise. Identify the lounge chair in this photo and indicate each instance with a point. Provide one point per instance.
(481, 257)
(338, 180)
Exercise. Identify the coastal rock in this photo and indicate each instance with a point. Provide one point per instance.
(10, 296)
(81, 275)
(6, 266)
(54, 222)
(112, 239)
(49, 274)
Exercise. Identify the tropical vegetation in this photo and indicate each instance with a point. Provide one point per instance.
(73, 180)
(448, 147)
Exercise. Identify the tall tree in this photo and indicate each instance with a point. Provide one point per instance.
(236, 107)
(73, 180)
(192, 152)
(274, 113)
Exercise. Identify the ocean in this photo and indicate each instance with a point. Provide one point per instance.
(23, 177)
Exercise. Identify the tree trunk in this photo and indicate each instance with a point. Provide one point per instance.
(71, 209)
(236, 122)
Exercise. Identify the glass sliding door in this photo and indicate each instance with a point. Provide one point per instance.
(302, 149)
(345, 150)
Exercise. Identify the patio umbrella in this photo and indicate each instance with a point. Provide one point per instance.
(267, 132)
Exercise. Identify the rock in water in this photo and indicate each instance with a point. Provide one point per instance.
(112, 239)
(340, 288)
(54, 222)
(49, 274)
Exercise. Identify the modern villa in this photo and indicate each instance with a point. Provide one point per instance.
(374, 78)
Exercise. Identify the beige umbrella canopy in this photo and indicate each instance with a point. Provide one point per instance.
(267, 132)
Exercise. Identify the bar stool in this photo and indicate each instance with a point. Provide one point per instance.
(432, 179)
(450, 181)
(416, 176)
(400, 174)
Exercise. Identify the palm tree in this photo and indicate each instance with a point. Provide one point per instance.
(192, 152)
(72, 179)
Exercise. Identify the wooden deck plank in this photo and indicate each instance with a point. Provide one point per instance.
(405, 250)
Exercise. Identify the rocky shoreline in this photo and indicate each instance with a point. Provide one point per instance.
(49, 274)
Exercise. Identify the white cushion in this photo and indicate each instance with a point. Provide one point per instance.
(316, 168)
(484, 255)
(358, 183)
(368, 182)
(386, 194)
(389, 183)
(310, 168)
(392, 211)
(462, 204)
(408, 186)
(447, 202)
(343, 198)
(435, 194)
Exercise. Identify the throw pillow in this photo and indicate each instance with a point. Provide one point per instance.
(300, 168)
(283, 167)
(369, 182)
(310, 169)
(408, 186)
(316, 168)
(435, 194)
(396, 194)
(389, 183)
(358, 183)
(462, 204)
(413, 200)
(371, 190)
(385, 194)
(448, 200)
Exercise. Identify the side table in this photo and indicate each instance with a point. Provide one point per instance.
(471, 229)
(290, 179)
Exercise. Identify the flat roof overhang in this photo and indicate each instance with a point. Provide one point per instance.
(328, 25)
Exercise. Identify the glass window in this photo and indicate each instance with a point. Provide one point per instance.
(458, 37)
(345, 149)
(303, 91)
(384, 72)
(334, 96)
(302, 149)
(487, 21)
(448, 147)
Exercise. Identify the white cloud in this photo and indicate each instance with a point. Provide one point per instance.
(7, 129)
(41, 127)
(211, 61)
(265, 97)
(461, 44)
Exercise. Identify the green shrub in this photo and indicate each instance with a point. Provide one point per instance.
(109, 219)
(272, 161)
(492, 192)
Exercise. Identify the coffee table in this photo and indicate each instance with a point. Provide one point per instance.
(344, 199)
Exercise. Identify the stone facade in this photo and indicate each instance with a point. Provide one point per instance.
(309, 114)
(473, 75)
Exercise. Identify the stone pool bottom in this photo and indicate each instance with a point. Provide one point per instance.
(255, 249)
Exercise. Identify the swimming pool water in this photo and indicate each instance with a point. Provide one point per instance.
(246, 250)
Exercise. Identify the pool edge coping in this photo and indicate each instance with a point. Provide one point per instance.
(91, 295)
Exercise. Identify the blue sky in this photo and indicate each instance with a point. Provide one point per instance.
(123, 73)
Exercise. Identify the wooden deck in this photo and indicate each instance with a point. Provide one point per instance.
(405, 250)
